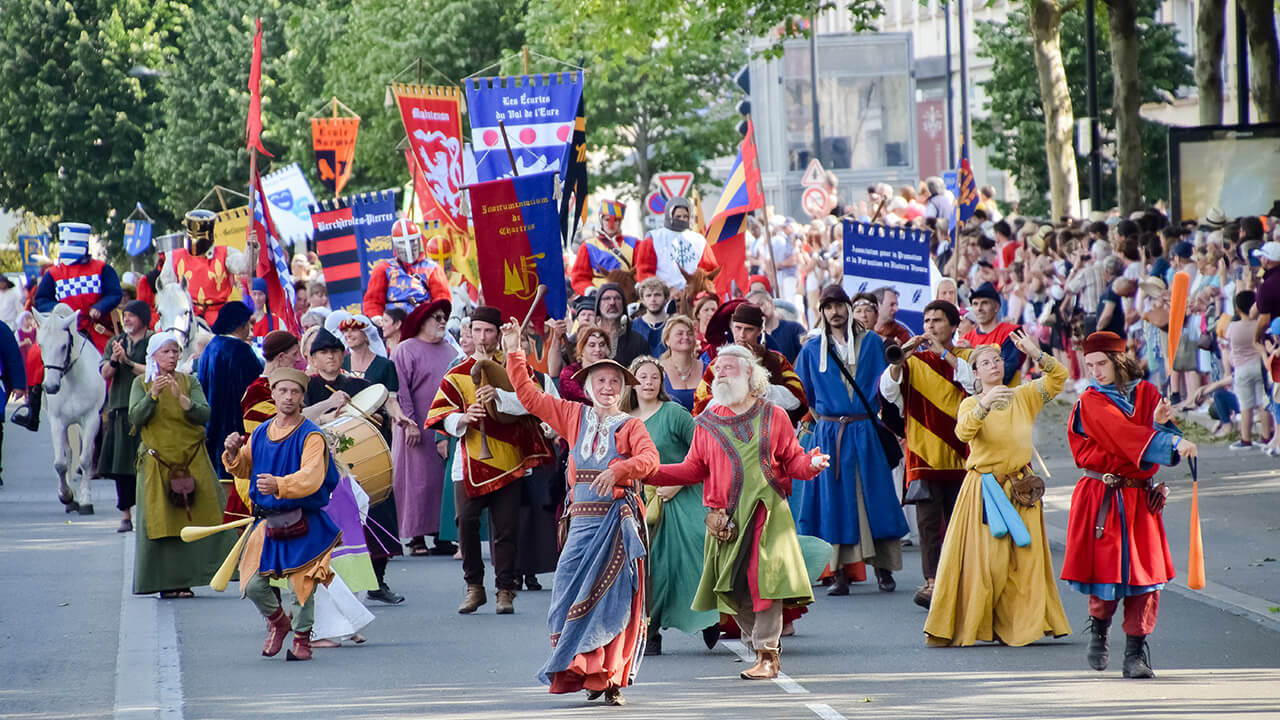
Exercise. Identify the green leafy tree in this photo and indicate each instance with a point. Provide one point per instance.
(75, 119)
(201, 140)
(354, 50)
(1014, 128)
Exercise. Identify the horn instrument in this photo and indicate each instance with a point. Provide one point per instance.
(192, 533)
(223, 577)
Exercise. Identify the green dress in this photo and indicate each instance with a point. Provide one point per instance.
(120, 444)
(163, 561)
(676, 542)
(782, 570)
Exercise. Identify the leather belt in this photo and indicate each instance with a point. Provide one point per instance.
(1114, 483)
(844, 421)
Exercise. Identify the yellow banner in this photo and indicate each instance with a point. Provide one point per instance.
(230, 227)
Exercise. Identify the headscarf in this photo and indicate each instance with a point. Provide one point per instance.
(158, 341)
(337, 318)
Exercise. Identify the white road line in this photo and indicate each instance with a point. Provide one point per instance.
(824, 711)
(148, 673)
(784, 681)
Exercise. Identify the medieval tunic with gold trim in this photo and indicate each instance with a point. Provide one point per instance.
(513, 447)
(209, 281)
(597, 615)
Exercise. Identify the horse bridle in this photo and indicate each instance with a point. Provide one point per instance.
(190, 314)
(68, 362)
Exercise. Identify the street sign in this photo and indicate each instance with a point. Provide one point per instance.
(817, 202)
(814, 175)
(655, 203)
(675, 184)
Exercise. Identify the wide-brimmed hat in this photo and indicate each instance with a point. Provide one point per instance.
(581, 376)
(718, 332)
(413, 323)
(1215, 218)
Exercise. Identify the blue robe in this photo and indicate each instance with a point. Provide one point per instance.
(227, 367)
(827, 507)
(284, 457)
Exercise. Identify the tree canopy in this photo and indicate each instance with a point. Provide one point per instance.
(1014, 127)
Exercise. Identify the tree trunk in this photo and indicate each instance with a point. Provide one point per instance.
(1122, 17)
(644, 172)
(1210, 34)
(1044, 16)
(1264, 58)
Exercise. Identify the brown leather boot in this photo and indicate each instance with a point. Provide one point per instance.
(506, 602)
(277, 629)
(301, 647)
(475, 598)
(766, 667)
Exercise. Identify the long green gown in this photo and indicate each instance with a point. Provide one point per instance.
(677, 542)
(163, 561)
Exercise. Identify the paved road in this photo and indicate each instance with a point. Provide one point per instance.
(74, 644)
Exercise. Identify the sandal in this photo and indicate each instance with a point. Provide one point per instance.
(418, 551)
(176, 594)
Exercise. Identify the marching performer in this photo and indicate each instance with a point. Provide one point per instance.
(488, 465)
(672, 251)
(209, 271)
(995, 578)
(82, 283)
(597, 615)
(745, 453)
(852, 505)
(609, 250)
(176, 483)
(1121, 432)
(293, 476)
(407, 279)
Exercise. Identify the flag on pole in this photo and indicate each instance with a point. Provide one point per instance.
(966, 185)
(726, 234)
(517, 222)
(273, 263)
(253, 127)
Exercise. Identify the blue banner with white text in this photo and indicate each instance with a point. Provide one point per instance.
(877, 256)
(373, 214)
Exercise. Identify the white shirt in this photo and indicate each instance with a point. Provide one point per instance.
(892, 391)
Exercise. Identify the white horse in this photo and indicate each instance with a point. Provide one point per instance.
(177, 315)
(75, 394)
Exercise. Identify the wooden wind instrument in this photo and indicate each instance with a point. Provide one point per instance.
(192, 533)
(223, 577)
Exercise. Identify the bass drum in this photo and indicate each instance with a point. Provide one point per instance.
(364, 454)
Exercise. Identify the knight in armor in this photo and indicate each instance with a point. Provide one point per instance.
(209, 271)
(406, 280)
(607, 252)
(82, 283)
(674, 251)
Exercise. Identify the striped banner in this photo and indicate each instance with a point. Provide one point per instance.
(335, 234)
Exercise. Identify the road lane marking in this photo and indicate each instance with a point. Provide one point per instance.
(148, 669)
(784, 681)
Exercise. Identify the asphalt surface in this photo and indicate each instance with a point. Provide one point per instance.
(75, 644)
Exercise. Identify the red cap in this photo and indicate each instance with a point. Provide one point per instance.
(1104, 341)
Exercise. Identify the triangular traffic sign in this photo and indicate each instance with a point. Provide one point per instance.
(814, 174)
(675, 184)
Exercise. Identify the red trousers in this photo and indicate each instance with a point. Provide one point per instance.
(1139, 611)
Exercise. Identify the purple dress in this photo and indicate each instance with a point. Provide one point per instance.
(418, 478)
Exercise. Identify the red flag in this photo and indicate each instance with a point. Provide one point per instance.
(273, 265)
(253, 128)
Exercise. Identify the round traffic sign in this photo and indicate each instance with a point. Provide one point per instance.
(816, 201)
(656, 203)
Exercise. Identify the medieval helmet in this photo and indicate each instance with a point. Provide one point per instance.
(199, 226)
(406, 240)
(668, 218)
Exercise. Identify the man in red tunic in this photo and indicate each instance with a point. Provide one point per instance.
(609, 250)
(82, 283)
(409, 278)
(1120, 432)
(988, 330)
(209, 271)
(739, 322)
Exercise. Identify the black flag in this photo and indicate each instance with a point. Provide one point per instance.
(575, 176)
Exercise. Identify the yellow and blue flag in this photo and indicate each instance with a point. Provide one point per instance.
(726, 233)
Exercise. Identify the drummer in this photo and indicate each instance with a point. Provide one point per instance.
(329, 386)
(367, 359)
